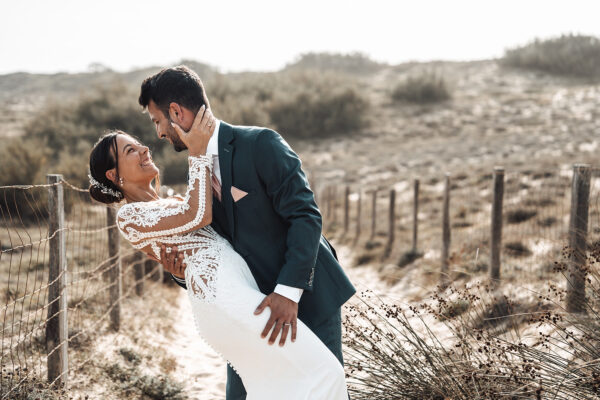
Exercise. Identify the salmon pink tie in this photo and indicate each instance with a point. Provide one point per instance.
(216, 186)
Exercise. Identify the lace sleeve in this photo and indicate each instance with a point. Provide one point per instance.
(167, 217)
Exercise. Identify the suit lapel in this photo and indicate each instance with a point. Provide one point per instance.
(225, 161)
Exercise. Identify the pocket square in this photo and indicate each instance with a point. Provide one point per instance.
(237, 194)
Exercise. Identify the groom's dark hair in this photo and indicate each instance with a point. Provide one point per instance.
(178, 85)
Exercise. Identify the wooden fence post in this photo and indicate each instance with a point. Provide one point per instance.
(496, 228)
(138, 273)
(328, 202)
(415, 216)
(334, 204)
(346, 209)
(373, 214)
(56, 325)
(313, 187)
(444, 277)
(114, 270)
(578, 227)
(358, 215)
(391, 224)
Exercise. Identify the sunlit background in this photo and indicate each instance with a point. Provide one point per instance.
(264, 35)
(400, 111)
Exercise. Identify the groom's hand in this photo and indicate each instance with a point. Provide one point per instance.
(172, 262)
(284, 314)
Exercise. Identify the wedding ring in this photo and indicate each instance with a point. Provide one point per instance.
(287, 323)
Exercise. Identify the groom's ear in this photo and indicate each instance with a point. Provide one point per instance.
(176, 113)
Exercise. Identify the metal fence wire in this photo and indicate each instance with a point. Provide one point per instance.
(61, 280)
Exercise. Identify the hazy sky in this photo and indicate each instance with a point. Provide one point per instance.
(68, 35)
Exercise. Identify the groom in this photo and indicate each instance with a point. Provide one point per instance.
(265, 209)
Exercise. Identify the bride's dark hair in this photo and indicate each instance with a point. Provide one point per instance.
(103, 157)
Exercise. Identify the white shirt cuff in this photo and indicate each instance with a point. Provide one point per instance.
(290, 292)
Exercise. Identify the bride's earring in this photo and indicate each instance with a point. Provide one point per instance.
(121, 181)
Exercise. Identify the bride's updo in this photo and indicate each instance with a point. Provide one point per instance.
(103, 158)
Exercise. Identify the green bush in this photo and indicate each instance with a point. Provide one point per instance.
(173, 167)
(26, 162)
(63, 126)
(311, 115)
(63, 133)
(22, 162)
(298, 104)
(241, 100)
(570, 55)
(426, 87)
(73, 166)
(354, 63)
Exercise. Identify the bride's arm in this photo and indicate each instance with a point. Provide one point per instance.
(145, 220)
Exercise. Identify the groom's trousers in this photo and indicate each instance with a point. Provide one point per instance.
(330, 333)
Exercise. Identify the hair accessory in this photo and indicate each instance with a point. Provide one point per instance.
(104, 189)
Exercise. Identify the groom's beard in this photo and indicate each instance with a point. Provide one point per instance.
(178, 145)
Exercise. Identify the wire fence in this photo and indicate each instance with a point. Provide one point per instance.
(65, 274)
(407, 221)
(62, 284)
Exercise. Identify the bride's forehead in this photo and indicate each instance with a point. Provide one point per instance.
(123, 140)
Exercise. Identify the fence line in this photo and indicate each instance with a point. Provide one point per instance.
(507, 224)
(63, 280)
(60, 260)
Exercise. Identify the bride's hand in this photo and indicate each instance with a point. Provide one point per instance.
(196, 139)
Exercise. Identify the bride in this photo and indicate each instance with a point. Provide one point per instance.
(222, 290)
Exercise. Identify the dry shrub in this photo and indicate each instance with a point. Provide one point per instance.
(409, 257)
(173, 167)
(517, 249)
(313, 115)
(519, 215)
(22, 162)
(132, 380)
(29, 388)
(64, 125)
(427, 87)
(547, 222)
(539, 202)
(569, 55)
(365, 258)
(393, 352)
(354, 63)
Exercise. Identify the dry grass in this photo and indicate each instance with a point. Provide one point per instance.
(474, 342)
(536, 125)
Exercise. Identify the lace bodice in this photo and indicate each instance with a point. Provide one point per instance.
(179, 222)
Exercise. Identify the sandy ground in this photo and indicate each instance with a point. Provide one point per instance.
(200, 369)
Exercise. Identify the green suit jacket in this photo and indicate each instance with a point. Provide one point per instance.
(276, 227)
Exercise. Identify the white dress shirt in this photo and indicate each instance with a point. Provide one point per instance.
(290, 292)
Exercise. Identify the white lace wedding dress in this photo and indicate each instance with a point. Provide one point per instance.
(224, 295)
